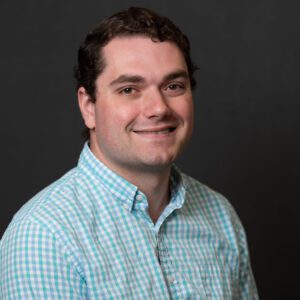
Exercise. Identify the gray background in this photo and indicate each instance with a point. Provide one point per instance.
(246, 143)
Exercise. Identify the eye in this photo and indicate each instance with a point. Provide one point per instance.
(175, 88)
(127, 90)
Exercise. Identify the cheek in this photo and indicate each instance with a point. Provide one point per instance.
(185, 111)
(126, 113)
(116, 117)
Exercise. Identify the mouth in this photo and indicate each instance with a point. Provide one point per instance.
(157, 131)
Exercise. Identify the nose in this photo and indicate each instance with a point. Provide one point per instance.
(155, 105)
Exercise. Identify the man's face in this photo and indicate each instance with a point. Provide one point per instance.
(143, 114)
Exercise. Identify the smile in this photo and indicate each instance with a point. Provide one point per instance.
(152, 131)
(163, 131)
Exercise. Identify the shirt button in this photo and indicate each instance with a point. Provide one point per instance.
(172, 280)
(139, 197)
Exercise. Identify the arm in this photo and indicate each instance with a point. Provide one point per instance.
(34, 264)
(246, 283)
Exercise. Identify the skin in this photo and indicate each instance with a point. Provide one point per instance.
(143, 114)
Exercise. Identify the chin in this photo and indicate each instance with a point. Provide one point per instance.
(159, 163)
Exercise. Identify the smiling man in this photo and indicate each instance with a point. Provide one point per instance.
(142, 113)
(126, 223)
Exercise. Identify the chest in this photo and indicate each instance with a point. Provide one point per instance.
(126, 258)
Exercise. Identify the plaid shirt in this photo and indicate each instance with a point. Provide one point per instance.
(89, 236)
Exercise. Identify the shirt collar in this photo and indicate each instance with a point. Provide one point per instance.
(177, 187)
(115, 184)
(123, 190)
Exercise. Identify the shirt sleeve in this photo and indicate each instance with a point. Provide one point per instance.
(34, 264)
(246, 289)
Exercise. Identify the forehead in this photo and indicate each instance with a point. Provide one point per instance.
(140, 55)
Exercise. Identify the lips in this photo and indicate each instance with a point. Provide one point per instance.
(164, 130)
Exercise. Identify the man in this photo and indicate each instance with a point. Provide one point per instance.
(126, 223)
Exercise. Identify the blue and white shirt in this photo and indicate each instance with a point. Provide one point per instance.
(89, 236)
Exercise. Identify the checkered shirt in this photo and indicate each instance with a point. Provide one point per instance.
(89, 236)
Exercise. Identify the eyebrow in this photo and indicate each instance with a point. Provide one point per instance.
(175, 75)
(127, 78)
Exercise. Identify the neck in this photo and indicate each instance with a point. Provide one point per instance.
(156, 188)
(155, 185)
(153, 182)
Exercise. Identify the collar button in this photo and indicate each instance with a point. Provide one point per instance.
(139, 197)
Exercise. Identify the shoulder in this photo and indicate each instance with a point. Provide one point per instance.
(38, 249)
(54, 211)
(45, 219)
(60, 192)
(212, 207)
(202, 195)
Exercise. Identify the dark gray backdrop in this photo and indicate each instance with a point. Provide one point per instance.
(246, 143)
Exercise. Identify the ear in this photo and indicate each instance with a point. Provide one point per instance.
(87, 107)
